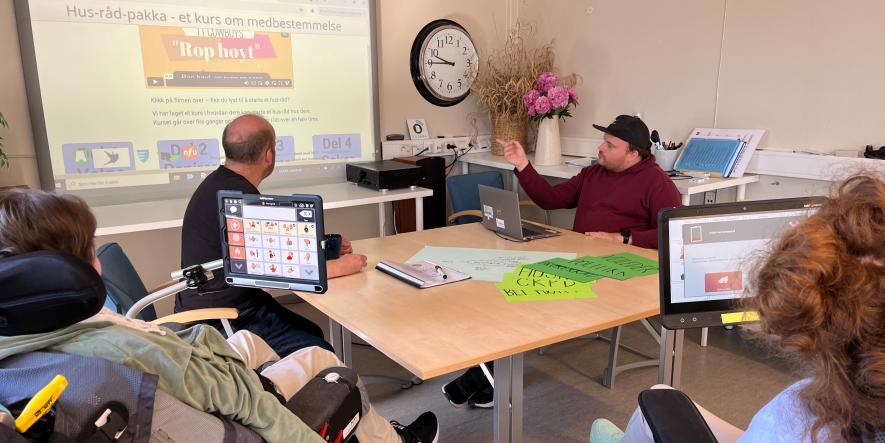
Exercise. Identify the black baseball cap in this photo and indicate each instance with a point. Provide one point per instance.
(630, 129)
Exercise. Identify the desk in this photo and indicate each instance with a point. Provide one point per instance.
(686, 187)
(448, 328)
(130, 217)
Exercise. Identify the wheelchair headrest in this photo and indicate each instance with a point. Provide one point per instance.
(46, 290)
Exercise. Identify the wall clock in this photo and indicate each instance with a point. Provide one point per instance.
(444, 62)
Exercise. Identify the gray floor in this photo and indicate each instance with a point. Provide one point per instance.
(732, 377)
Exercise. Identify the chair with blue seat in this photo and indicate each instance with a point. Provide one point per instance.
(464, 193)
(125, 289)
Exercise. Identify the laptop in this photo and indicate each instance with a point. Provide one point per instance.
(706, 254)
(500, 213)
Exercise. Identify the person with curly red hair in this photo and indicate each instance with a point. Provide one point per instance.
(820, 294)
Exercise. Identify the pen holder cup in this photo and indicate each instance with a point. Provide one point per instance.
(666, 159)
(333, 246)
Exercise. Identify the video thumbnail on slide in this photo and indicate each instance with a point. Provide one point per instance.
(178, 57)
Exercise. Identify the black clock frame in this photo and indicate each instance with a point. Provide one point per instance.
(415, 58)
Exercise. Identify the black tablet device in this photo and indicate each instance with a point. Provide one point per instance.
(706, 252)
(273, 241)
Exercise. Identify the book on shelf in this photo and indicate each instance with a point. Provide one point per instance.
(741, 158)
(423, 274)
(714, 155)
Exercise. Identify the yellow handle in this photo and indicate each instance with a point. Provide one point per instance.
(41, 403)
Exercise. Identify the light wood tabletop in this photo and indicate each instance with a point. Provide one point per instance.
(439, 330)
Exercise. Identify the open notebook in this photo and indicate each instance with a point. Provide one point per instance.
(423, 274)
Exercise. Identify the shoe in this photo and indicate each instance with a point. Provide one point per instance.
(455, 394)
(425, 429)
(484, 399)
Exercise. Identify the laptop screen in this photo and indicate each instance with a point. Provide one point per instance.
(707, 252)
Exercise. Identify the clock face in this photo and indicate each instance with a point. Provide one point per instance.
(444, 62)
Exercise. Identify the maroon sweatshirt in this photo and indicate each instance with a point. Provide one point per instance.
(609, 201)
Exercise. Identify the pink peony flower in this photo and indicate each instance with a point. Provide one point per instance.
(572, 95)
(530, 97)
(542, 105)
(546, 81)
(532, 111)
(558, 96)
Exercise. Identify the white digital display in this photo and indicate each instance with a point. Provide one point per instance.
(711, 256)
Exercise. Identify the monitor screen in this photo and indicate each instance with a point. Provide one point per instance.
(707, 253)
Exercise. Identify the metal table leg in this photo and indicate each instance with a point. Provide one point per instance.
(613, 369)
(340, 338)
(508, 399)
(419, 214)
(381, 219)
(670, 371)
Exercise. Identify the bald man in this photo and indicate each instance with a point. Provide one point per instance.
(249, 142)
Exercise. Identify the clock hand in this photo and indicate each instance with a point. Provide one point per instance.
(431, 62)
(442, 61)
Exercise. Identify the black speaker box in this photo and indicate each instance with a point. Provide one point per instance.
(433, 176)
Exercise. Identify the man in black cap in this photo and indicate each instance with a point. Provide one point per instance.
(619, 197)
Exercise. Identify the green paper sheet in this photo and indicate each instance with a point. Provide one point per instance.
(520, 286)
(635, 263)
(621, 266)
(601, 266)
(567, 269)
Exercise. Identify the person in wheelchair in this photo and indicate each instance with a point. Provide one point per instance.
(240, 378)
(820, 294)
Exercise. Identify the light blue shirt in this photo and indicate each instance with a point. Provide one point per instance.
(783, 419)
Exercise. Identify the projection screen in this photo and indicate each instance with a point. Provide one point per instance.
(129, 98)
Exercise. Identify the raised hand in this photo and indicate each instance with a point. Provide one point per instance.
(514, 154)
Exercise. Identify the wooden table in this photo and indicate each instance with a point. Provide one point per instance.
(441, 330)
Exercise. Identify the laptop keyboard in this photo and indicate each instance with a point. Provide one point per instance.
(529, 230)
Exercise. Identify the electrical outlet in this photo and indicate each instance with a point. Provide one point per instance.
(439, 148)
(710, 197)
(483, 144)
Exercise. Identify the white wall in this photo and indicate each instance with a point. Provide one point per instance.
(807, 71)
(398, 23)
(18, 143)
(659, 59)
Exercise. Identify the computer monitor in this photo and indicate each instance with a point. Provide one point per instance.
(706, 254)
(273, 241)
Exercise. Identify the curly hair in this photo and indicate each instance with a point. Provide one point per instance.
(37, 220)
(820, 295)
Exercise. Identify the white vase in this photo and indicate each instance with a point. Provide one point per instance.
(547, 149)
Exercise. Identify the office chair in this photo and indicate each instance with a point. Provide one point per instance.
(464, 193)
(125, 288)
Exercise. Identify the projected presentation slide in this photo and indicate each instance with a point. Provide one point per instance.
(715, 253)
(137, 93)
